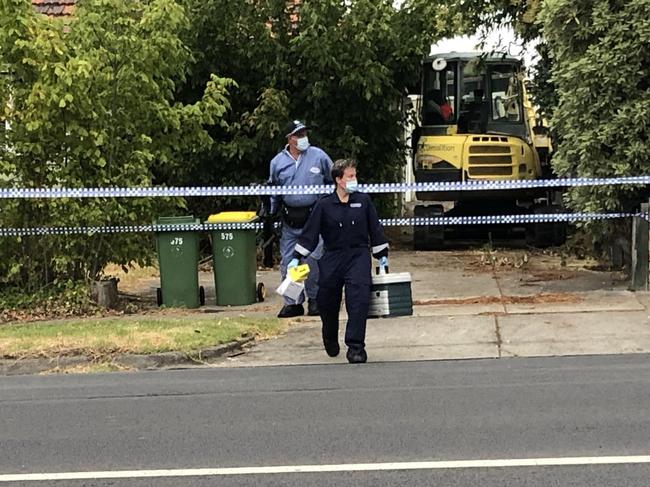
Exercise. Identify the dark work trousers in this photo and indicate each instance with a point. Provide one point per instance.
(350, 268)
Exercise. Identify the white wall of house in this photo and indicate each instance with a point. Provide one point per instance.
(408, 175)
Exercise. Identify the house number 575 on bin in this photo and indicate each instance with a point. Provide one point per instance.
(226, 236)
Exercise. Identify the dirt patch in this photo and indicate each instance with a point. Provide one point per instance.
(532, 261)
(131, 277)
(88, 368)
(543, 298)
(548, 276)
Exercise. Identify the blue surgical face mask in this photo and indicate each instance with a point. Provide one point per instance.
(302, 144)
(351, 186)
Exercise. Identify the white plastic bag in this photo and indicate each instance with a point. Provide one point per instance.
(291, 289)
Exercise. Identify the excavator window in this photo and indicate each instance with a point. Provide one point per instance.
(505, 93)
(438, 103)
(474, 108)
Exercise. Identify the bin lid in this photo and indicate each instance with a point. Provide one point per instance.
(232, 217)
(176, 220)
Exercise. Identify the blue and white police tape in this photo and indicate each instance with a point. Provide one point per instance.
(389, 222)
(146, 192)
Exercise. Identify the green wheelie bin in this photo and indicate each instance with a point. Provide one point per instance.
(178, 258)
(235, 259)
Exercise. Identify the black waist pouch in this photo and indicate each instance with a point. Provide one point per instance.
(296, 217)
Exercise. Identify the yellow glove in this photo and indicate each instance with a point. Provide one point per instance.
(299, 273)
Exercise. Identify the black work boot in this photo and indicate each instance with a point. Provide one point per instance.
(356, 356)
(331, 347)
(312, 308)
(291, 310)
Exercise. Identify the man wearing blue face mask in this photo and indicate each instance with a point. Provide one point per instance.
(348, 223)
(298, 164)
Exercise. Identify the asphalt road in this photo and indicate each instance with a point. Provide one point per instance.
(387, 415)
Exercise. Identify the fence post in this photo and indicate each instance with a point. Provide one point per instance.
(640, 250)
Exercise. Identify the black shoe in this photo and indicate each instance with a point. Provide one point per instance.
(312, 308)
(331, 347)
(357, 356)
(291, 310)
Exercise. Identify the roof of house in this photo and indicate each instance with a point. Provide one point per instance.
(54, 8)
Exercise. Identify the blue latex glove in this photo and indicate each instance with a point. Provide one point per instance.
(383, 261)
(293, 263)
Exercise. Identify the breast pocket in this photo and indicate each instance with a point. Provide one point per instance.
(315, 175)
(357, 220)
(332, 224)
(285, 175)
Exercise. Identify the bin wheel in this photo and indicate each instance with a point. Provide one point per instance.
(159, 296)
(261, 292)
(201, 296)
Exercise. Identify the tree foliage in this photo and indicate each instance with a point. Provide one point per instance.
(592, 79)
(344, 68)
(601, 68)
(90, 102)
(125, 94)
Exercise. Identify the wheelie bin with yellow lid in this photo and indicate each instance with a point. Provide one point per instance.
(235, 258)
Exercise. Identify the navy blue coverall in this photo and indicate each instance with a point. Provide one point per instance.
(351, 232)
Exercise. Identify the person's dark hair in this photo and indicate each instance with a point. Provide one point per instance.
(436, 96)
(340, 165)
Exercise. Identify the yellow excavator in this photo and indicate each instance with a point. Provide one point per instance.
(476, 122)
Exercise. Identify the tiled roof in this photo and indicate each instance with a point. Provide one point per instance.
(54, 8)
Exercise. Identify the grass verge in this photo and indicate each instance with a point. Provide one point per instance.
(136, 335)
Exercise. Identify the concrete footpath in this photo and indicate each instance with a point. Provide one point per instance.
(474, 304)
(466, 304)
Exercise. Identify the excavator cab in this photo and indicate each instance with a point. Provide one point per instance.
(477, 122)
(481, 95)
(472, 121)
